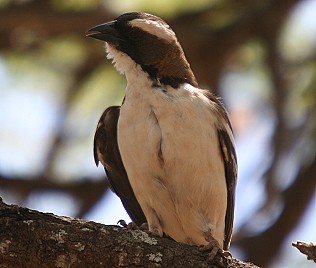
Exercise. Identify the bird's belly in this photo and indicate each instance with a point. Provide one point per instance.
(172, 158)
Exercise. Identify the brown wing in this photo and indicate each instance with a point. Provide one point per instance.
(107, 152)
(230, 164)
(227, 148)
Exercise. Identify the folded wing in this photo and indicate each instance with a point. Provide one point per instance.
(227, 149)
(107, 152)
(230, 164)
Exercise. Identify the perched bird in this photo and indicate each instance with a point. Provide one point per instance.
(168, 150)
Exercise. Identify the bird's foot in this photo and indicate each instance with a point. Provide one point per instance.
(226, 254)
(133, 226)
(153, 231)
(156, 231)
(214, 248)
(143, 227)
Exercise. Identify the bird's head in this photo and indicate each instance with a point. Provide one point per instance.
(150, 43)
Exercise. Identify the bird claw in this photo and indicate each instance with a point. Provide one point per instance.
(122, 223)
(131, 226)
(214, 248)
(144, 227)
(226, 254)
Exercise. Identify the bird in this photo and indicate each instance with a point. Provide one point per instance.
(168, 149)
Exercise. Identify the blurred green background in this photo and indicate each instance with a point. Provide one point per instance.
(259, 56)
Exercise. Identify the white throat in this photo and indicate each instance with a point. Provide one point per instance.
(127, 66)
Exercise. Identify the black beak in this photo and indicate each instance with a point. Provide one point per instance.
(105, 32)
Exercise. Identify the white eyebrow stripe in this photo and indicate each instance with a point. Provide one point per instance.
(159, 29)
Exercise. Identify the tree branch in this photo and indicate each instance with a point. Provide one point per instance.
(308, 249)
(33, 239)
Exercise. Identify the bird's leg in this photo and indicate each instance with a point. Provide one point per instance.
(154, 225)
(144, 227)
(212, 246)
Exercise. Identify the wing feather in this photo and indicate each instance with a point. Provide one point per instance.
(106, 151)
(230, 164)
(228, 152)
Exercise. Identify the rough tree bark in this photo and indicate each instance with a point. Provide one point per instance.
(308, 249)
(30, 239)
